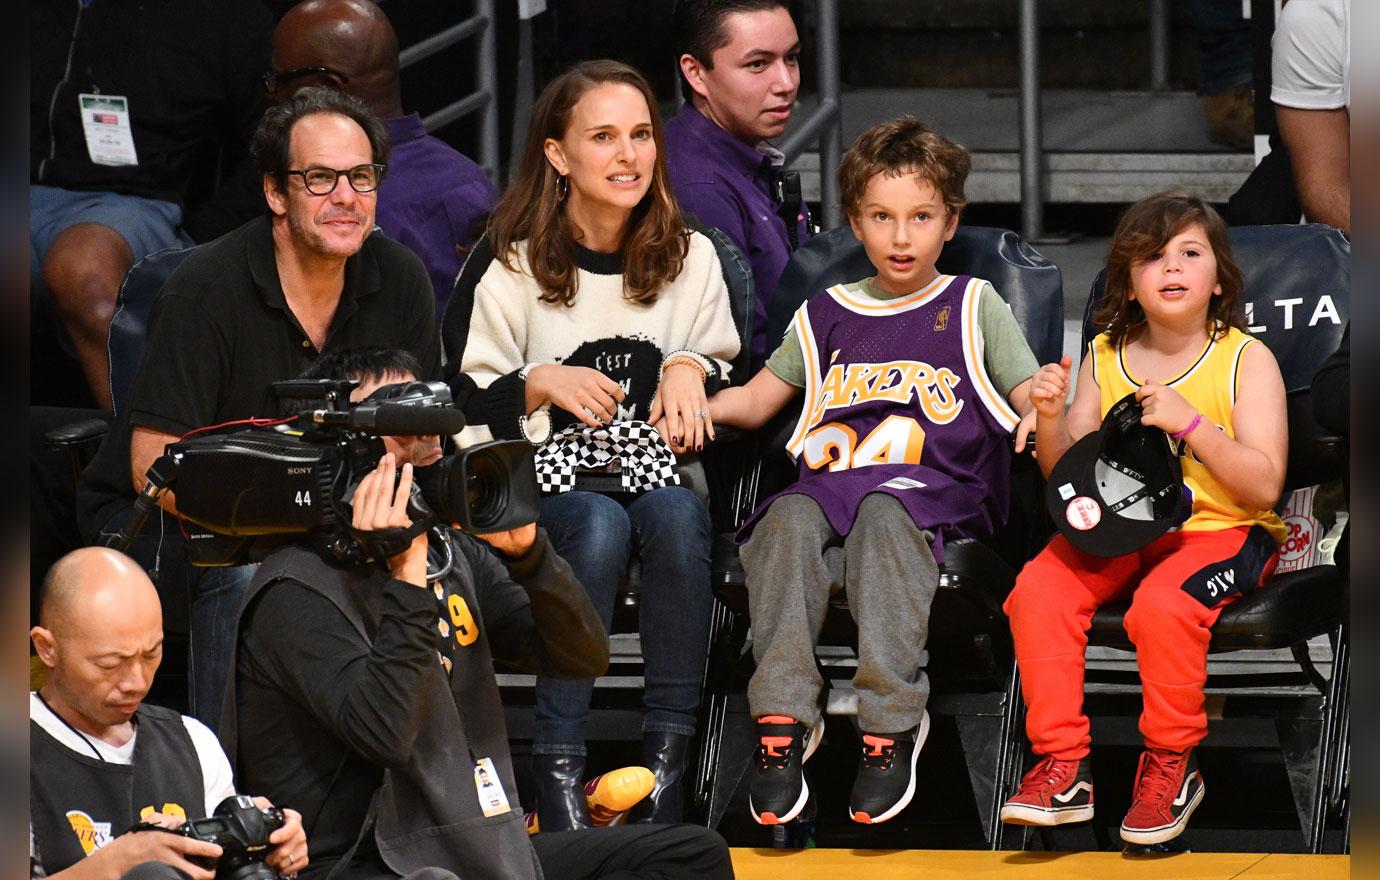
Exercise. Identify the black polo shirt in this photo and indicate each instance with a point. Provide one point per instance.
(221, 331)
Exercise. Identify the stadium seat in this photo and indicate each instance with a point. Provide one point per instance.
(129, 325)
(1297, 290)
(970, 660)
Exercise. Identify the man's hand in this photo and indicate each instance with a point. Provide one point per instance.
(585, 393)
(377, 505)
(514, 543)
(1050, 388)
(1164, 408)
(137, 847)
(289, 855)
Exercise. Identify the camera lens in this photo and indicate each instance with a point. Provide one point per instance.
(485, 489)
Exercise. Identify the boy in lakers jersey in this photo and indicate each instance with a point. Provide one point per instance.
(914, 382)
(1175, 339)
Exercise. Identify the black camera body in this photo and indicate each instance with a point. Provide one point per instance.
(254, 490)
(241, 830)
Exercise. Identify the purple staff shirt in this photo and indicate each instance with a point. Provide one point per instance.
(431, 199)
(727, 184)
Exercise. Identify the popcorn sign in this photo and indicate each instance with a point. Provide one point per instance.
(1300, 547)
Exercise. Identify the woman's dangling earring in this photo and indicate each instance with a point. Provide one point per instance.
(562, 187)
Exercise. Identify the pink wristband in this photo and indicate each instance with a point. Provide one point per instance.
(1179, 435)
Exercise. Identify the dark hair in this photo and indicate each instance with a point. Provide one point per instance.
(368, 364)
(903, 145)
(532, 209)
(271, 145)
(700, 31)
(1143, 231)
(365, 364)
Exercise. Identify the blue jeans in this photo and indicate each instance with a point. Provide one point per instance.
(669, 531)
(215, 595)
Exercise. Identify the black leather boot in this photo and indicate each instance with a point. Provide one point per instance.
(561, 792)
(663, 754)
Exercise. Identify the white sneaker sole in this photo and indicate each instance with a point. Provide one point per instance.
(812, 740)
(920, 736)
(1022, 814)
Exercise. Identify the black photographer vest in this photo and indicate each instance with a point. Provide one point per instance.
(78, 803)
(427, 813)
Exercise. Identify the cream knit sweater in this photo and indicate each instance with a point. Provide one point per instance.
(511, 327)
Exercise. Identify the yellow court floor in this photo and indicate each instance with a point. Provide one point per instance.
(856, 864)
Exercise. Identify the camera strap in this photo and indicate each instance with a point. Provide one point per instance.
(386, 543)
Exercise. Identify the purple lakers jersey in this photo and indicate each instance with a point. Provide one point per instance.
(898, 401)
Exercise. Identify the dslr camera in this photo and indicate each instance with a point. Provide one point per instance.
(241, 831)
(246, 492)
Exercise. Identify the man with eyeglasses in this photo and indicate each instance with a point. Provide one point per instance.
(257, 305)
(436, 198)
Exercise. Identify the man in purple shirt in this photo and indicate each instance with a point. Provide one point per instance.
(740, 61)
(433, 199)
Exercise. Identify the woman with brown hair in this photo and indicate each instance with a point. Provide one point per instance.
(600, 323)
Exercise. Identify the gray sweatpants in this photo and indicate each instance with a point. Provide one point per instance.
(890, 576)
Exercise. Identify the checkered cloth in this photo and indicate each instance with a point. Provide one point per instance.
(631, 449)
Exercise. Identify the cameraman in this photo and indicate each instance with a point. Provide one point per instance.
(98, 760)
(366, 695)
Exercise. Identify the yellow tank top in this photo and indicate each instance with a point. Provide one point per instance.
(1210, 384)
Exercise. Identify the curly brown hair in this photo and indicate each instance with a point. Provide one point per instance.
(1143, 231)
(532, 209)
(904, 145)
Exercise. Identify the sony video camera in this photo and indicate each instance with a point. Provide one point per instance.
(256, 489)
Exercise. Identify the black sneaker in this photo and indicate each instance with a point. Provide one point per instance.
(777, 791)
(886, 776)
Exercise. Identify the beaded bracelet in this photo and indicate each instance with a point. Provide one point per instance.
(689, 362)
(1179, 435)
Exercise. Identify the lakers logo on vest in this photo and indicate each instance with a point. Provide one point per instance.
(897, 381)
(91, 834)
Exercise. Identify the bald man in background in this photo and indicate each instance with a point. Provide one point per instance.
(433, 198)
(99, 760)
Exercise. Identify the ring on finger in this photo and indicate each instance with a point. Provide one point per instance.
(700, 414)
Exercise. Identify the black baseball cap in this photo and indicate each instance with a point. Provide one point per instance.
(1119, 488)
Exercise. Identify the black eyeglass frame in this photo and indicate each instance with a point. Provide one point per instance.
(339, 173)
(272, 79)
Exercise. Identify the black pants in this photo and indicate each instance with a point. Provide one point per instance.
(628, 852)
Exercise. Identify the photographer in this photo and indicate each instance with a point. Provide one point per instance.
(99, 761)
(365, 695)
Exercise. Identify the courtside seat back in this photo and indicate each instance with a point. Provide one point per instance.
(130, 324)
(1297, 293)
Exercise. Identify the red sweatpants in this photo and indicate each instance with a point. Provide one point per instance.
(1178, 585)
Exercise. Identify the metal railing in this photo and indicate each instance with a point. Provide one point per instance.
(1031, 131)
(825, 122)
(484, 99)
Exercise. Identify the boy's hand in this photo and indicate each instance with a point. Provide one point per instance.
(1050, 389)
(1164, 408)
(1024, 430)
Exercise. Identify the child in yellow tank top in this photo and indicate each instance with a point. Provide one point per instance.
(1175, 338)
